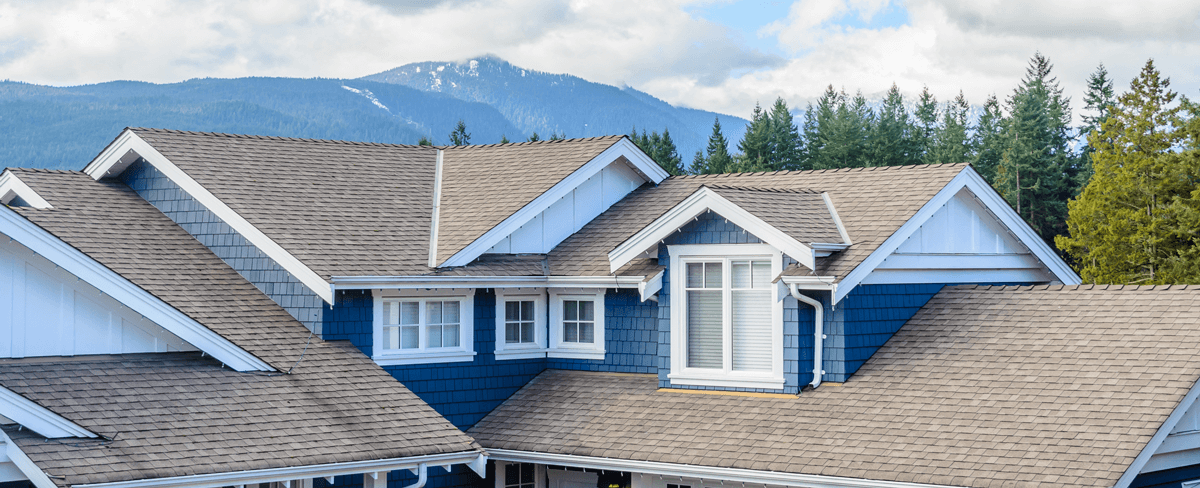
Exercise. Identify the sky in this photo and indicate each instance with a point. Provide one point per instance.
(710, 54)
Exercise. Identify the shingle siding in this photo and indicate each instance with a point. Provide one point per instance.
(226, 243)
(630, 342)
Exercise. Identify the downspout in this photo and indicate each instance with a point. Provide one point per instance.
(818, 332)
(422, 476)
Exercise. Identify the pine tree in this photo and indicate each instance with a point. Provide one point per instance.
(1098, 100)
(459, 136)
(784, 139)
(951, 140)
(988, 140)
(890, 141)
(755, 144)
(557, 136)
(504, 139)
(424, 141)
(1135, 220)
(533, 137)
(668, 154)
(717, 159)
(699, 164)
(846, 136)
(925, 124)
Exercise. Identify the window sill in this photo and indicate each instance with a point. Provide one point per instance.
(424, 358)
(699, 380)
(521, 353)
(575, 354)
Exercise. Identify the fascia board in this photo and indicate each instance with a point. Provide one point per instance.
(141, 301)
(443, 282)
(496, 234)
(38, 418)
(10, 183)
(1159, 437)
(734, 475)
(240, 478)
(992, 201)
(129, 143)
(24, 464)
(697, 203)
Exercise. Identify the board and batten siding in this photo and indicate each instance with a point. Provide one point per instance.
(50, 312)
(571, 212)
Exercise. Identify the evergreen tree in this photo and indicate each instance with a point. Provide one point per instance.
(424, 141)
(534, 137)
(890, 141)
(717, 159)
(504, 139)
(925, 124)
(660, 148)
(784, 139)
(951, 140)
(699, 164)
(755, 145)
(846, 135)
(557, 137)
(459, 136)
(988, 140)
(1135, 221)
(1098, 99)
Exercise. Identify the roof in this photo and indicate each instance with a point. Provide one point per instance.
(365, 209)
(178, 414)
(984, 386)
(157, 394)
(867, 200)
(801, 214)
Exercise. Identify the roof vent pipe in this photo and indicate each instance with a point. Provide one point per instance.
(422, 476)
(818, 332)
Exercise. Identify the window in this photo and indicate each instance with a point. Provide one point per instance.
(726, 323)
(577, 323)
(520, 475)
(520, 324)
(422, 328)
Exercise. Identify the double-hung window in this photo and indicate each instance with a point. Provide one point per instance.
(577, 323)
(726, 324)
(520, 323)
(422, 328)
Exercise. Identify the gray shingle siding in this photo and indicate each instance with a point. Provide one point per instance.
(226, 243)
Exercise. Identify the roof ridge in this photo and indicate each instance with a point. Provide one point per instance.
(824, 170)
(807, 191)
(271, 138)
(45, 170)
(530, 143)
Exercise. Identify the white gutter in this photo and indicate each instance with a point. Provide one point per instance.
(419, 282)
(473, 459)
(818, 332)
(733, 475)
(422, 473)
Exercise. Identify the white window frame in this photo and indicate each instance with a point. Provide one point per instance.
(535, 349)
(539, 473)
(725, 378)
(574, 350)
(466, 328)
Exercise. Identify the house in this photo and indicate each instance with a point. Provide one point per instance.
(205, 310)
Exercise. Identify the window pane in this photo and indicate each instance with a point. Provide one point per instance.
(570, 310)
(695, 275)
(512, 332)
(410, 337)
(391, 313)
(512, 474)
(512, 311)
(433, 312)
(704, 329)
(526, 332)
(586, 334)
(450, 335)
(712, 275)
(751, 330)
(410, 313)
(433, 333)
(450, 312)
(571, 332)
(740, 274)
(391, 338)
(526, 473)
(762, 274)
(527, 311)
(587, 311)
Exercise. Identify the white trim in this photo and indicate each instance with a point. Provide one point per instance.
(990, 200)
(423, 282)
(1190, 484)
(523, 350)
(539, 474)
(1159, 437)
(642, 164)
(651, 285)
(465, 351)
(154, 309)
(726, 377)
(278, 474)
(836, 220)
(38, 418)
(130, 146)
(437, 203)
(568, 350)
(11, 186)
(734, 475)
(702, 200)
(24, 464)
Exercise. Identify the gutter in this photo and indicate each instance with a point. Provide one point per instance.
(818, 332)
(420, 282)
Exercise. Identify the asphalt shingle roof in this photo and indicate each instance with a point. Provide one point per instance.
(984, 386)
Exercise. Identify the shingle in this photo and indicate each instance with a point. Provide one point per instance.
(984, 386)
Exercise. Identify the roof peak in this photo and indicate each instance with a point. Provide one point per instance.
(820, 171)
(269, 138)
(1083, 287)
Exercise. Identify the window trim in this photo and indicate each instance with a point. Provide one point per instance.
(466, 328)
(572, 350)
(539, 473)
(680, 374)
(535, 349)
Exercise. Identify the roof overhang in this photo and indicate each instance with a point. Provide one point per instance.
(639, 161)
(25, 465)
(969, 179)
(38, 418)
(733, 475)
(128, 147)
(12, 187)
(703, 200)
(121, 289)
(1159, 437)
(428, 282)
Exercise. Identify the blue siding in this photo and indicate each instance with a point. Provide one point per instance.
(864, 320)
(226, 243)
(1168, 478)
(630, 342)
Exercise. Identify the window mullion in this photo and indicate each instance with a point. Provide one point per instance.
(727, 315)
(421, 319)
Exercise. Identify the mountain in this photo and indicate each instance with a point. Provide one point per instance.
(559, 103)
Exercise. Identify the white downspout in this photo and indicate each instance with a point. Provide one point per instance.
(818, 332)
(422, 476)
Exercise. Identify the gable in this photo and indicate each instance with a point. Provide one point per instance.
(51, 312)
(962, 242)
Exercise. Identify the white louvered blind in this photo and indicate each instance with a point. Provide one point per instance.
(751, 317)
(705, 330)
